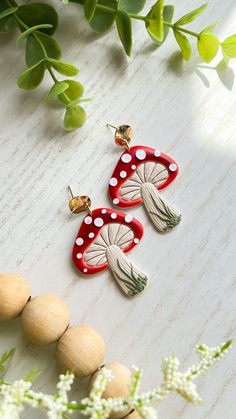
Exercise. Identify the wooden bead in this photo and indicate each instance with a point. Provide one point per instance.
(133, 415)
(118, 387)
(45, 319)
(81, 350)
(14, 294)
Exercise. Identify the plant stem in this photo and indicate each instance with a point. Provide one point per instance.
(180, 29)
(23, 25)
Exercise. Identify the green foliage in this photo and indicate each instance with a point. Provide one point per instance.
(58, 88)
(63, 68)
(124, 27)
(5, 360)
(38, 14)
(101, 15)
(89, 9)
(184, 44)
(74, 91)
(38, 22)
(229, 47)
(32, 77)
(74, 118)
(154, 21)
(7, 21)
(28, 32)
(208, 46)
(134, 6)
(104, 16)
(189, 17)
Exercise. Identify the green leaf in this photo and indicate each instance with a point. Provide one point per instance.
(74, 118)
(210, 28)
(189, 17)
(89, 9)
(154, 21)
(74, 91)
(32, 77)
(32, 375)
(8, 12)
(37, 14)
(34, 52)
(124, 27)
(103, 19)
(29, 31)
(208, 46)
(78, 101)
(57, 89)
(229, 46)
(184, 45)
(134, 6)
(64, 68)
(5, 359)
(7, 23)
(168, 13)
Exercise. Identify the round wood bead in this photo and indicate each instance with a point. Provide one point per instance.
(44, 319)
(118, 387)
(133, 415)
(14, 294)
(81, 350)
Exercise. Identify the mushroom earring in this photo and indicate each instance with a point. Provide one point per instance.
(139, 175)
(104, 237)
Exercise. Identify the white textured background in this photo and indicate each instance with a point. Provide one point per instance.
(187, 111)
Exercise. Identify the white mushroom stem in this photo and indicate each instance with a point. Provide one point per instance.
(163, 215)
(130, 279)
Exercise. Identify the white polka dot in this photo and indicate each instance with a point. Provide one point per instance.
(173, 167)
(88, 220)
(85, 270)
(116, 201)
(79, 255)
(123, 174)
(114, 215)
(157, 153)
(113, 181)
(79, 241)
(136, 241)
(104, 211)
(126, 158)
(140, 154)
(133, 167)
(91, 235)
(128, 218)
(98, 222)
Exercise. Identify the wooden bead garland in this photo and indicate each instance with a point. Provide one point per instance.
(45, 319)
(80, 348)
(118, 387)
(14, 294)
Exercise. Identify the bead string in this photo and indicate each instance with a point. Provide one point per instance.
(45, 320)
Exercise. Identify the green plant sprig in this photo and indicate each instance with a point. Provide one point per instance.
(15, 396)
(37, 23)
(101, 14)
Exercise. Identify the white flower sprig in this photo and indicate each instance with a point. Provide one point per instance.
(15, 396)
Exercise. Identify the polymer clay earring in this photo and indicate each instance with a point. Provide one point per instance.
(139, 175)
(104, 237)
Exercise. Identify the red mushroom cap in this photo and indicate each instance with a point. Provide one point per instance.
(90, 229)
(127, 165)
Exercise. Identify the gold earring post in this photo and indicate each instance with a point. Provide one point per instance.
(78, 204)
(123, 135)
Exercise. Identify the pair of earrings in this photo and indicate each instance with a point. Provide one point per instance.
(106, 235)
